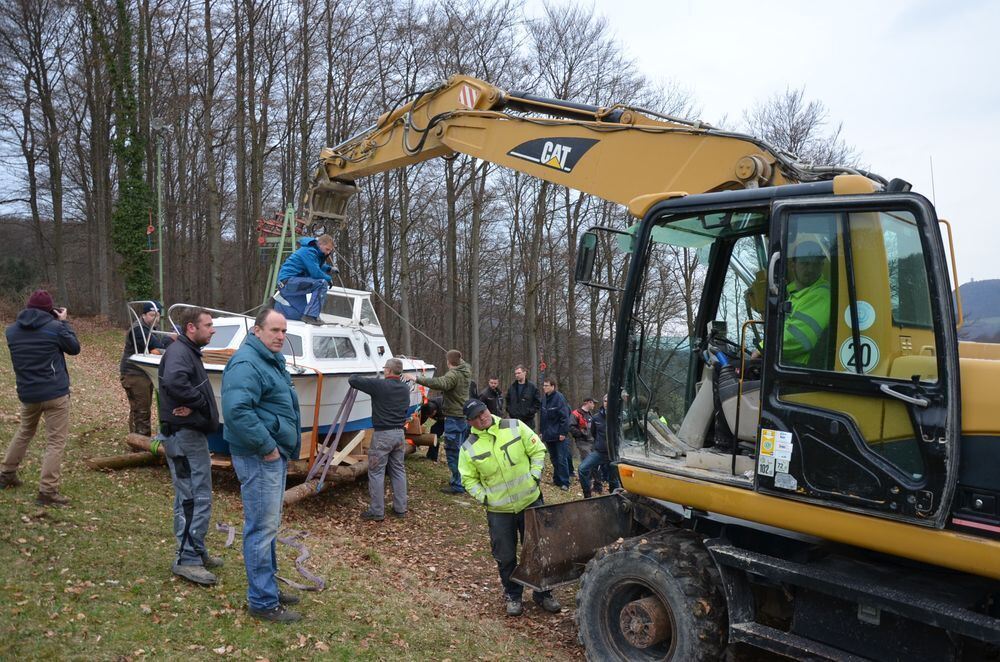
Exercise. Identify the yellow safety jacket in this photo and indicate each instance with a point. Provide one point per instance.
(502, 465)
(809, 317)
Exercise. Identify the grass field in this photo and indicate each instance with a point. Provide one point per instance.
(93, 580)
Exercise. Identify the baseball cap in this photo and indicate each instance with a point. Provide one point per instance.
(473, 408)
(590, 400)
(152, 306)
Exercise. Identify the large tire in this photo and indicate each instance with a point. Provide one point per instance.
(674, 568)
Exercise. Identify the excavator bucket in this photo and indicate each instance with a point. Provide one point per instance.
(326, 203)
(561, 538)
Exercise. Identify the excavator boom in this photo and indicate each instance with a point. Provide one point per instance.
(624, 155)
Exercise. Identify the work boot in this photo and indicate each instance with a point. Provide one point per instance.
(211, 561)
(196, 574)
(448, 489)
(396, 513)
(287, 598)
(309, 319)
(276, 614)
(51, 499)
(514, 607)
(549, 604)
(369, 516)
(9, 479)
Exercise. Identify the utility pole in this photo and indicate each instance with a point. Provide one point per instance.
(159, 126)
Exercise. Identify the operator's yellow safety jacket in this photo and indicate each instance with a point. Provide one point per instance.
(806, 322)
(502, 465)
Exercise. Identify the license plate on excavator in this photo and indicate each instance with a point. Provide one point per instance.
(561, 538)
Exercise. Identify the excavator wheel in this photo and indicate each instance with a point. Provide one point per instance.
(653, 597)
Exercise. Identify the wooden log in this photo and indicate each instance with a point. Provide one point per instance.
(113, 462)
(344, 473)
(143, 443)
(424, 439)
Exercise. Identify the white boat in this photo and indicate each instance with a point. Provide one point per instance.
(319, 359)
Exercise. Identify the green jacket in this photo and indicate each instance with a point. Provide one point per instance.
(259, 404)
(805, 324)
(454, 386)
(502, 466)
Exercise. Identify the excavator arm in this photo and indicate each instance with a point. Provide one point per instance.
(625, 155)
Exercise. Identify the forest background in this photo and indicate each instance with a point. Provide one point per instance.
(240, 96)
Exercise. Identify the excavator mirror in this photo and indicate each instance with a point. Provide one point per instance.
(585, 254)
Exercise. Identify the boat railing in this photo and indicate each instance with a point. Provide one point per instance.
(136, 318)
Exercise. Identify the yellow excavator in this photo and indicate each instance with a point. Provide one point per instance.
(811, 465)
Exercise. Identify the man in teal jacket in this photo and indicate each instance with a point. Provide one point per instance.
(262, 426)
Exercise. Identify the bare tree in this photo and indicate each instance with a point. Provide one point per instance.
(790, 122)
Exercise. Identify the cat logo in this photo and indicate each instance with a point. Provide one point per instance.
(558, 153)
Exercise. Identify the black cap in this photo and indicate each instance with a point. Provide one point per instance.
(473, 408)
(149, 306)
(590, 400)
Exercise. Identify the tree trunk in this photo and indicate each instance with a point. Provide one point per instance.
(213, 208)
(532, 319)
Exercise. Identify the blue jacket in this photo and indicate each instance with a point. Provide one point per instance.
(599, 427)
(37, 343)
(555, 417)
(307, 262)
(259, 404)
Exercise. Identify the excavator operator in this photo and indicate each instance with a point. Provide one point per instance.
(809, 294)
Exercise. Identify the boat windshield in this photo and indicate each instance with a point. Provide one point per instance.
(224, 334)
(339, 306)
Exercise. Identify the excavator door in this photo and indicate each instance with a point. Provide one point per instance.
(860, 395)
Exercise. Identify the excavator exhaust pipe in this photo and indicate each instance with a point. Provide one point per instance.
(326, 202)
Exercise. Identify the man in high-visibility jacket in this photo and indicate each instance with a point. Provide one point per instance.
(501, 466)
(809, 296)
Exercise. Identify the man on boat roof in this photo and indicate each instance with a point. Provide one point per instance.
(306, 271)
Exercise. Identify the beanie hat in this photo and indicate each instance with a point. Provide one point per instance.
(41, 300)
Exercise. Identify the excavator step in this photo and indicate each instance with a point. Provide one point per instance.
(907, 591)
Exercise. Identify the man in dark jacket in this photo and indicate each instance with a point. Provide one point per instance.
(390, 402)
(579, 431)
(188, 412)
(454, 388)
(264, 431)
(492, 397)
(38, 341)
(599, 459)
(523, 401)
(136, 383)
(305, 271)
(555, 432)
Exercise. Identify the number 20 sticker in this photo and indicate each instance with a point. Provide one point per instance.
(869, 355)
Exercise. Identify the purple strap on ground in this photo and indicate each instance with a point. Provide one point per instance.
(230, 532)
(327, 447)
(294, 539)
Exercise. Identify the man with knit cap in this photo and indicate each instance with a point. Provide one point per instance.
(38, 341)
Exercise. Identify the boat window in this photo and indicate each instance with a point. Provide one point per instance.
(333, 347)
(292, 346)
(368, 317)
(224, 335)
(339, 306)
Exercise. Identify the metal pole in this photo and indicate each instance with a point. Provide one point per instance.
(159, 206)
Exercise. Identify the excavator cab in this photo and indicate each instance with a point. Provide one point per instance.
(796, 348)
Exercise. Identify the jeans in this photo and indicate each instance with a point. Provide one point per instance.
(505, 530)
(386, 452)
(191, 473)
(56, 415)
(559, 452)
(456, 429)
(262, 486)
(294, 291)
(601, 463)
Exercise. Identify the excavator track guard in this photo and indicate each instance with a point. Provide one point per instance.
(561, 538)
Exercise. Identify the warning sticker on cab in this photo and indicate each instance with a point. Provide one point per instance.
(765, 465)
(776, 443)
